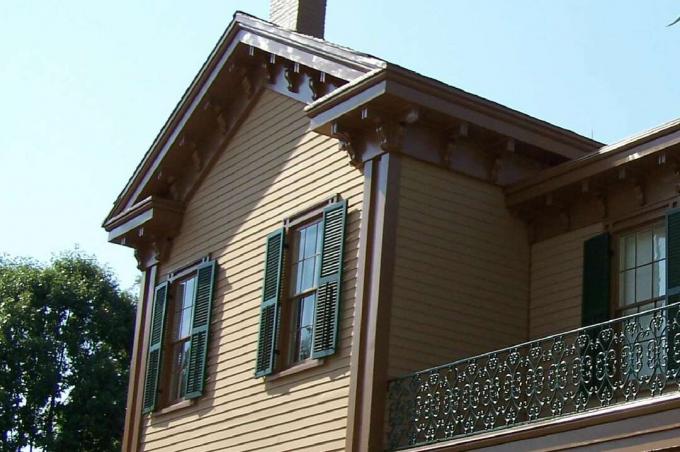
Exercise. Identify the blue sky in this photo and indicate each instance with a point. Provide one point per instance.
(85, 86)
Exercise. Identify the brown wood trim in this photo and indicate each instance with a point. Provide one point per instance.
(357, 355)
(175, 407)
(563, 424)
(593, 164)
(416, 89)
(312, 211)
(367, 415)
(243, 30)
(133, 413)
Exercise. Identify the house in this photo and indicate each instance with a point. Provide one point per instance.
(341, 254)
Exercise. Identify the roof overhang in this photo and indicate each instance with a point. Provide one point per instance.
(394, 88)
(243, 31)
(628, 152)
(150, 220)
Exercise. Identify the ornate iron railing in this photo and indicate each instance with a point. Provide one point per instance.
(585, 369)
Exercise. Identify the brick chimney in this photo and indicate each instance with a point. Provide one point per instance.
(304, 16)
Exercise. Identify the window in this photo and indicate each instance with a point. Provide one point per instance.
(641, 270)
(181, 304)
(301, 288)
(178, 337)
(304, 262)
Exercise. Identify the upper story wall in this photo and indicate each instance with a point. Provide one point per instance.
(461, 280)
(632, 202)
(556, 282)
(271, 168)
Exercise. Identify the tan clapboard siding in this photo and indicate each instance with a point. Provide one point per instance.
(272, 167)
(556, 279)
(461, 270)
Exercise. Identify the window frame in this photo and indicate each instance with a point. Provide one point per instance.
(164, 401)
(298, 220)
(615, 308)
(168, 366)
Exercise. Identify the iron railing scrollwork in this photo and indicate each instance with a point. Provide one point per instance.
(618, 361)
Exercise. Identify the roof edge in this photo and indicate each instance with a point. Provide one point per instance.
(398, 74)
(240, 22)
(614, 150)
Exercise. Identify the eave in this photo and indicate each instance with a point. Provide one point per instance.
(148, 221)
(244, 30)
(409, 88)
(616, 156)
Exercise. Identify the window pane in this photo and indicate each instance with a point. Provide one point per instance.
(180, 360)
(643, 283)
(644, 247)
(659, 243)
(305, 343)
(302, 329)
(296, 279)
(659, 279)
(298, 241)
(627, 296)
(308, 274)
(319, 236)
(310, 240)
(188, 293)
(629, 311)
(307, 308)
(629, 251)
(185, 323)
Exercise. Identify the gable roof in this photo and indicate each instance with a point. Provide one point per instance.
(356, 68)
(340, 62)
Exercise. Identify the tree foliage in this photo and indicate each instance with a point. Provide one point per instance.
(65, 344)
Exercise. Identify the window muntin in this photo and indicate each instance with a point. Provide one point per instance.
(181, 309)
(306, 257)
(642, 270)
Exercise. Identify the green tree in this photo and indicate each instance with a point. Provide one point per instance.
(65, 344)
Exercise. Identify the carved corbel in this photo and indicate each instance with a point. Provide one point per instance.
(495, 166)
(346, 143)
(246, 72)
(601, 198)
(565, 216)
(390, 134)
(317, 85)
(270, 67)
(639, 190)
(248, 83)
(159, 249)
(217, 107)
(292, 75)
(411, 116)
(446, 152)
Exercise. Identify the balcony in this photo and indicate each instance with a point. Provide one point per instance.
(580, 371)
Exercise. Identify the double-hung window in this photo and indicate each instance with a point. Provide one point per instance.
(299, 313)
(304, 264)
(178, 337)
(642, 266)
(641, 270)
(180, 309)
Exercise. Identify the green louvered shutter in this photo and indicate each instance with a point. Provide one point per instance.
(673, 290)
(327, 307)
(269, 309)
(596, 274)
(153, 361)
(200, 326)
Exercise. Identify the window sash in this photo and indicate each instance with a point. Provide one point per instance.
(632, 270)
